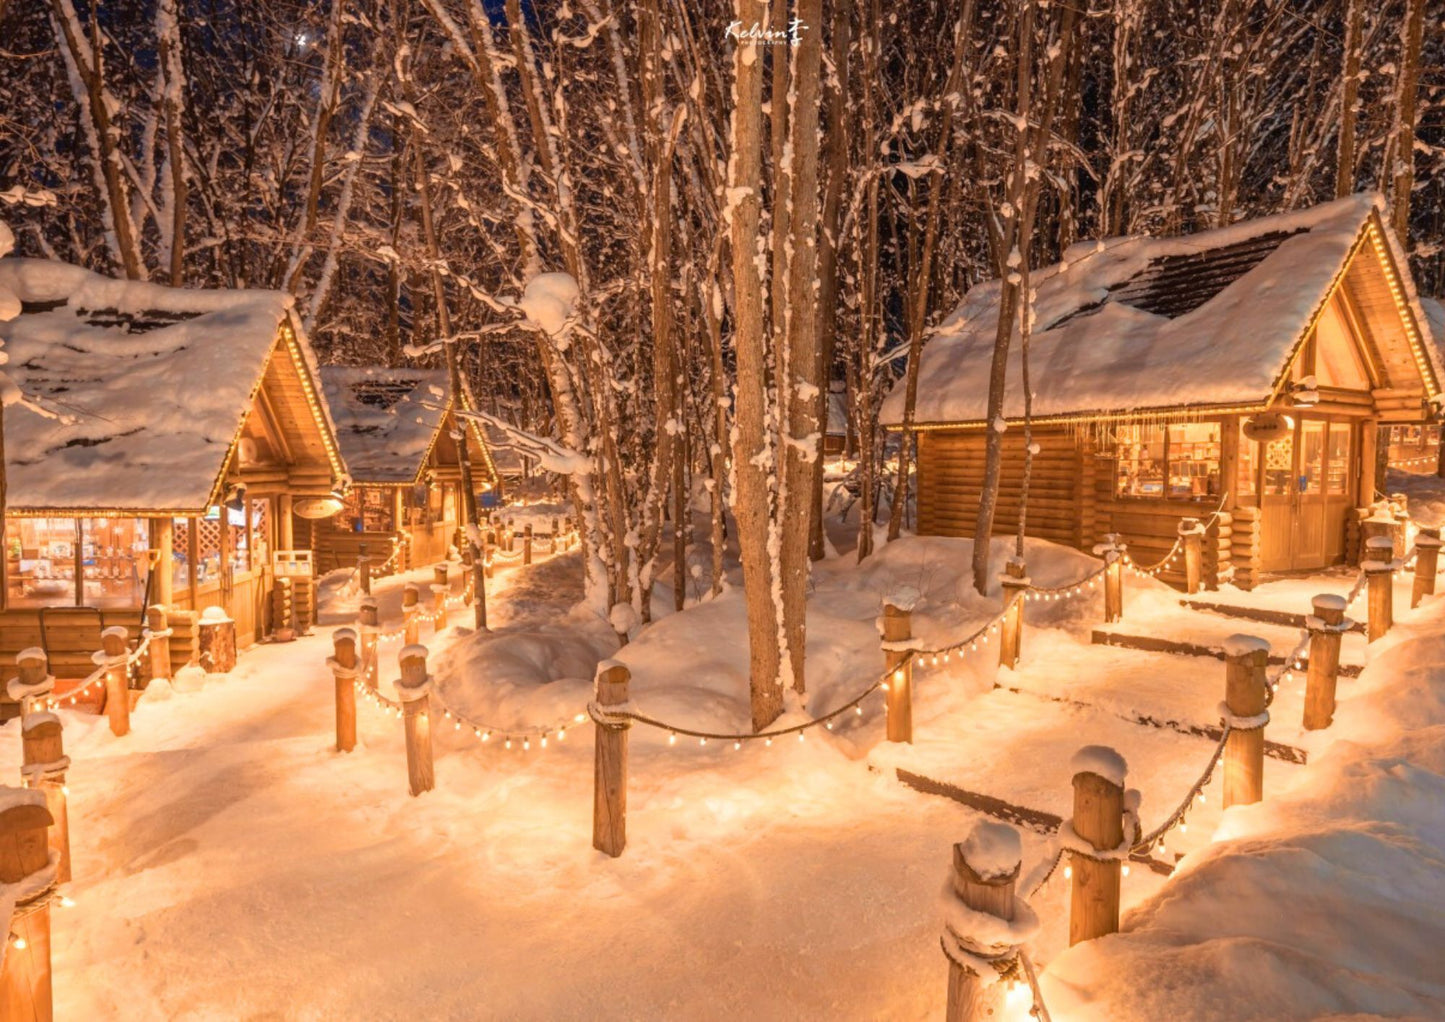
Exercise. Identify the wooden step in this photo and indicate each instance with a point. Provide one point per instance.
(1156, 644)
(1262, 614)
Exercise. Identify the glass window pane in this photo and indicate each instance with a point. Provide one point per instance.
(238, 541)
(209, 568)
(260, 539)
(1193, 460)
(115, 561)
(180, 553)
(1246, 483)
(40, 561)
(1312, 457)
(1278, 466)
(1337, 471)
(1141, 461)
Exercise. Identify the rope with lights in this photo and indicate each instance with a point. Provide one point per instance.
(97, 676)
(1153, 570)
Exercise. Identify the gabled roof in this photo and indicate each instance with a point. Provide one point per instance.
(133, 395)
(386, 418)
(1168, 325)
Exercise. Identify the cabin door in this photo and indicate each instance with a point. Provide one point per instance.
(1305, 495)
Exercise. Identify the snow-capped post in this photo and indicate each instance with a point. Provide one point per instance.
(1191, 533)
(1096, 842)
(217, 641)
(29, 876)
(345, 666)
(45, 764)
(1015, 581)
(412, 690)
(527, 543)
(441, 589)
(609, 773)
(1379, 569)
(1427, 556)
(488, 546)
(897, 657)
(1245, 696)
(1326, 626)
(33, 683)
(984, 922)
(112, 656)
(158, 640)
(368, 622)
(410, 596)
(363, 573)
(1113, 551)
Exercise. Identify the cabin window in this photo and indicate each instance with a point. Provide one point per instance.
(115, 561)
(368, 509)
(1246, 483)
(40, 561)
(208, 567)
(1179, 461)
(180, 553)
(1337, 465)
(1278, 466)
(260, 542)
(238, 538)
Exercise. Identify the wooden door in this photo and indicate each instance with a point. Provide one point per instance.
(1276, 503)
(1307, 538)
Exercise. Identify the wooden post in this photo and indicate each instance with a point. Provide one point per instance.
(985, 885)
(1011, 636)
(45, 764)
(898, 628)
(1427, 556)
(162, 540)
(113, 655)
(441, 589)
(25, 991)
(368, 642)
(609, 773)
(1098, 820)
(511, 537)
(1113, 551)
(412, 690)
(1245, 659)
(1379, 568)
(283, 611)
(527, 543)
(1326, 626)
(33, 686)
(158, 638)
(1191, 532)
(412, 627)
(491, 545)
(217, 637)
(344, 666)
(363, 573)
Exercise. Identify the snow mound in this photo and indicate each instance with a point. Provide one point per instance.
(1101, 760)
(548, 300)
(993, 850)
(1243, 645)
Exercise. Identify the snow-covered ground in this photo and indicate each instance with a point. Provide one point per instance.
(229, 863)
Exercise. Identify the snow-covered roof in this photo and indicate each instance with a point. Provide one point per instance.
(130, 394)
(1133, 324)
(386, 418)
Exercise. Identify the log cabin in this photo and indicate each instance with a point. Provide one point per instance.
(1246, 370)
(1414, 447)
(398, 438)
(159, 440)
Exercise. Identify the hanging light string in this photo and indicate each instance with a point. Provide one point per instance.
(1075, 588)
(1427, 459)
(1038, 1009)
(1153, 570)
(97, 676)
(484, 733)
(1195, 795)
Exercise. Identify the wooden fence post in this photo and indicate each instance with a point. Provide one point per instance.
(1427, 557)
(1379, 568)
(527, 543)
(33, 685)
(344, 669)
(441, 589)
(411, 627)
(1326, 626)
(609, 771)
(158, 638)
(25, 988)
(45, 764)
(1245, 688)
(985, 871)
(368, 642)
(1099, 774)
(511, 535)
(216, 634)
(113, 655)
(1191, 532)
(412, 690)
(1113, 552)
(898, 629)
(363, 573)
(491, 545)
(1015, 583)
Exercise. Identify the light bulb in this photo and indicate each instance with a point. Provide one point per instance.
(737, 746)
(561, 734)
(1068, 872)
(1125, 869)
(672, 739)
(20, 944)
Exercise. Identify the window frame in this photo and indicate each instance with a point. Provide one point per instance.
(1169, 462)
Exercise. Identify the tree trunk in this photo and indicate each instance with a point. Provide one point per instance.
(1402, 144)
(1349, 98)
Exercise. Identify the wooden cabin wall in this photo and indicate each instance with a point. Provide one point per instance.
(950, 478)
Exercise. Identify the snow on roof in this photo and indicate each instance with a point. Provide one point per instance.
(130, 393)
(1148, 323)
(386, 418)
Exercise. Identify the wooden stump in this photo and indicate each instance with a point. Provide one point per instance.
(609, 764)
(410, 597)
(1379, 568)
(1011, 636)
(363, 573)
(217, 641)
(413, 691)
(25, 986)
(159, 642)
(1326, 626)
(283, 611)
(113, 655)
(1427, 557)
(1099, 820)
(368, 621)
(1191, 531)
(990, 891)
(898, 627)
(32, 687)
(345, 667)
(1245, 688)
(45, 764)
(527, 543)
